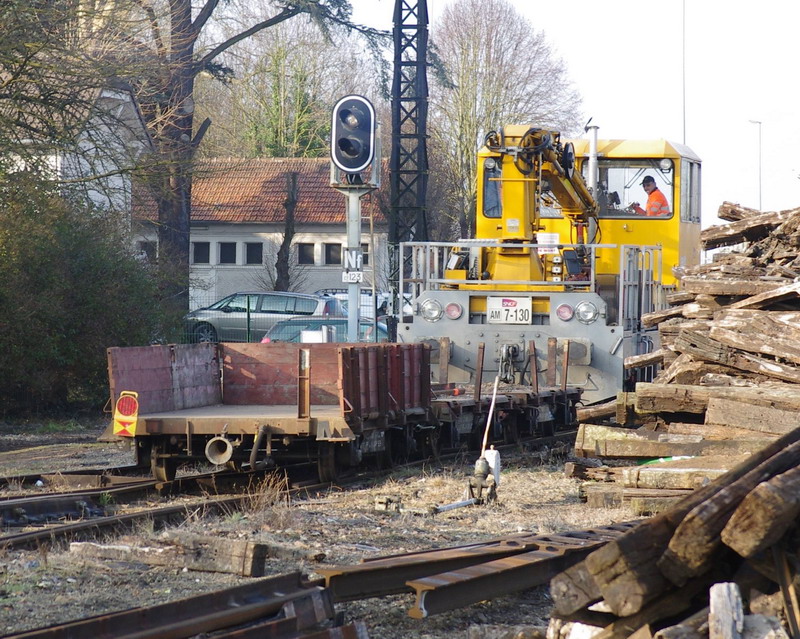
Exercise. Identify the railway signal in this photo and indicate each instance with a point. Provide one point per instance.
(353, 134)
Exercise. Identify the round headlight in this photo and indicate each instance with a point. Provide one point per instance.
(665, 164)
(453, 310)
(564, 312)
(586, 312)
(431, 310)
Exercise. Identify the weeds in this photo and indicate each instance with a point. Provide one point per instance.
(268, 503)
(67, 426)
(105, 499)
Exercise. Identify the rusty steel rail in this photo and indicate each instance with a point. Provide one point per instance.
(456, 575)
(88, 477)
(278, 607)
(458, 588)
(91, 503)
(88, 528)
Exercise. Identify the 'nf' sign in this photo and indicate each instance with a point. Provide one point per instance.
(353, 259)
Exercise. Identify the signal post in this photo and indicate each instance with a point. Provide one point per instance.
(354, 146)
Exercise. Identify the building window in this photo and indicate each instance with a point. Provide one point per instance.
(305, 253)
(201, 252)
(227, 252)
(365, 254)
(147, 250)
(333, 254)
(254, 253)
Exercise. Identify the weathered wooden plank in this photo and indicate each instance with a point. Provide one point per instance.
(762, 336)
(574, 589)
(645, 359)
(747, 229)
(764, 515)
(737, 316)
(595, 440)
(685, 369)
(669, 474)
(704, 347)
(725, 611)
(693, 627)
(612, 495)
(712, 430)
(625, 570)
(656, 317)
(764, 300)
(733, 212)
(669, 605)
(669, 398)
(691, 549)
(576, 470)
(747, 416)
(598, 411)
(738, 287)
(658, 398)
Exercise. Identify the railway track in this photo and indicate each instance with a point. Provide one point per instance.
(289, 606)
(81, 514)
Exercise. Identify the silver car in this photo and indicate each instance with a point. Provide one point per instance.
(247, 316)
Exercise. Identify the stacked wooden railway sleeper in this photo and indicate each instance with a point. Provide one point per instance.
(722, 558)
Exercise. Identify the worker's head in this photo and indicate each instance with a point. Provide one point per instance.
(649, 183)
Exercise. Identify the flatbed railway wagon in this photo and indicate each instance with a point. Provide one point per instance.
(330, 404)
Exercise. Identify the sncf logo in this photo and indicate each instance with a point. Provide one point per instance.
(509, 303)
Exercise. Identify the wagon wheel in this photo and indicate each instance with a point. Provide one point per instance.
(144, 449)
(326, 462)
(510, 431)
(385, 458)
(163, 468)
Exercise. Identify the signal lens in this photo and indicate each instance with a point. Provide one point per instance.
(586, 312)
(431, 310)
(453, 310)
(564, 312)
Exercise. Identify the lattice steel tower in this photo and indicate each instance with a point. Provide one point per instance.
(408, 168)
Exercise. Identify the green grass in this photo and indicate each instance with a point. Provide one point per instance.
(65, 426)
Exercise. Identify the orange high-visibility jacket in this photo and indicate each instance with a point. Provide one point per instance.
(656, 204)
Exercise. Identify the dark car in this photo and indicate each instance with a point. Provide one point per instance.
(247, 316)
(313, 329)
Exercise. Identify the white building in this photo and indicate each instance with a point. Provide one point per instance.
(239, 214)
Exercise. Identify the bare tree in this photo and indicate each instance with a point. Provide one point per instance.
(278, 104)
(503, 72)
(167, 34)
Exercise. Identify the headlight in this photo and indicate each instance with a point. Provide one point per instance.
(564, 312)
(453, 310)
(586, 312)
(431, 310)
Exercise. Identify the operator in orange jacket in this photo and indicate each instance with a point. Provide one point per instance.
(656, 201)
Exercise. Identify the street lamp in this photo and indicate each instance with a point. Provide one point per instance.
(758, 122)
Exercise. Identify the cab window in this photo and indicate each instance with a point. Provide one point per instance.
(619, 186)
(492, 188)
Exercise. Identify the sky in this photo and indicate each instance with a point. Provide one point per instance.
(699, 72)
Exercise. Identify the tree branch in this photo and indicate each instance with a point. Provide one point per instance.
(220, 48)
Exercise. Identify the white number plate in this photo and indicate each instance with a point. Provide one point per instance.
(508, 310)
(350, 277)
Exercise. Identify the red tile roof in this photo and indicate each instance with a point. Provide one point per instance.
(242, 191)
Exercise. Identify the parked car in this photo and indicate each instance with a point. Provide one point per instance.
(367, 304)
(311, 329)
(247, 316)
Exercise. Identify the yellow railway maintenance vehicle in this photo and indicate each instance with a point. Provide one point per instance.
(562, 258)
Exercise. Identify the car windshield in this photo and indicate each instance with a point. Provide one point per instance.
(287, 331)
(238, 302)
